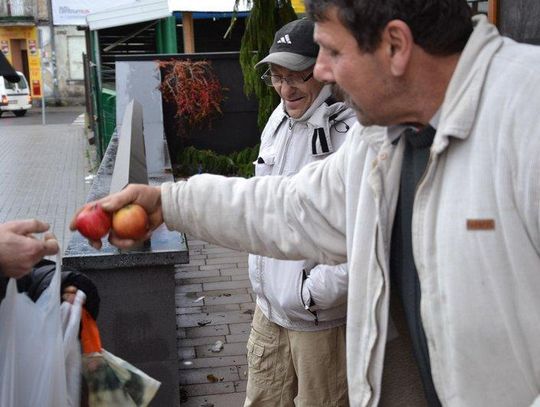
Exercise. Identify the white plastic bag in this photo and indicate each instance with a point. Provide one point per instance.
(32, 363)
(71, 322)
(114, 382)
(111, 381)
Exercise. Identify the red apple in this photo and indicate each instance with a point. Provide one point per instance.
(93, 222)
(130, 222)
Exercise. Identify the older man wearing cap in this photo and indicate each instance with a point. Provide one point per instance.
(296, 349)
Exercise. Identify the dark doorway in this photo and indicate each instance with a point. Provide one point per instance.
(26, 69)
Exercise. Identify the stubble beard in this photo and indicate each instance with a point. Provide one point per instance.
(344, 97)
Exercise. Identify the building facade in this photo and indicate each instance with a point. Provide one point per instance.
(51, 63)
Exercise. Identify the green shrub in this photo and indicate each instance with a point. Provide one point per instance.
(194, 161)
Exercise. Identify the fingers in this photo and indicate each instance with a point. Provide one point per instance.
(116, 201)
(68, 294)
(121, 243)
(96, 244)
(128, 243)
(28, 226)
(50, 244)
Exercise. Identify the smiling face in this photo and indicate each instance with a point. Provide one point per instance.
(298, 98)
(365, 77)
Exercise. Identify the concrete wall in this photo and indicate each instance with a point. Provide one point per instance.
(70, 45)
(42, 10)
(519, 19)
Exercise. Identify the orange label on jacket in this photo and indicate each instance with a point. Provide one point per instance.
(480, 224)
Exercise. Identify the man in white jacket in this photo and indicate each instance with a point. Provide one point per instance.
(296, 349)
(461, 252)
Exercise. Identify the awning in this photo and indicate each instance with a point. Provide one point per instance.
(209, 6)
(140, 11)
(7, 71)
(130, 13)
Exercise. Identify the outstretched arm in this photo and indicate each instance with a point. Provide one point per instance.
(296, 217)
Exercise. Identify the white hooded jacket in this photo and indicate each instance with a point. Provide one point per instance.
(285, 288)
(475, 226)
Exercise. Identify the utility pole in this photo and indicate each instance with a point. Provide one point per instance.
(54, 71)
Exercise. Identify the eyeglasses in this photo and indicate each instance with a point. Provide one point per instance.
(277, 80)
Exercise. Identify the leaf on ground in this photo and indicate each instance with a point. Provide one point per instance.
(214, 379)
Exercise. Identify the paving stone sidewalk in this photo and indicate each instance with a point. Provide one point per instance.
(215, 306)
(42, 174)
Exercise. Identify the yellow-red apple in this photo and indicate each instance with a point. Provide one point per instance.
(130, 222)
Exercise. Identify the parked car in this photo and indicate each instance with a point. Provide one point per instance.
(15, 96)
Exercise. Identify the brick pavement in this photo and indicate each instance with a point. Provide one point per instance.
(42, 174)
(214, 303)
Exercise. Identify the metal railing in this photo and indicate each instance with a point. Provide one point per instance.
(18, 8)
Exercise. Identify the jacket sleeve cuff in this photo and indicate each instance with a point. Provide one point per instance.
(171, 205)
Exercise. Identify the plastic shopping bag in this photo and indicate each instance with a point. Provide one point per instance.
(71, 321)
(111, 381)
(32, 363)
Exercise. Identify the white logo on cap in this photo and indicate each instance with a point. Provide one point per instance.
(285, 40)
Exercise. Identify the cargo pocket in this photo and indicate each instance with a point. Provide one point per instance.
(254, 355)
(261, 361)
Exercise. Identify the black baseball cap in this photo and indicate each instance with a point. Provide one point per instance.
(293, 46)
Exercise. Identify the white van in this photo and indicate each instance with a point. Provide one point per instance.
(15, 96)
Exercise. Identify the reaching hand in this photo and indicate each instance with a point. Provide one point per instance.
(20, 249)
(146, 196)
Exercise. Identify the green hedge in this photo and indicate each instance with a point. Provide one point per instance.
(194, 161)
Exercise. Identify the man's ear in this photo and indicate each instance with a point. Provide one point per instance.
(398, 41)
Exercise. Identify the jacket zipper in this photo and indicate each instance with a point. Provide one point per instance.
(286, 149)
(306, 306)
(260, 268)
(260, 258)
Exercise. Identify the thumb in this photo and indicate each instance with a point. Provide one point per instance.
(118, 200)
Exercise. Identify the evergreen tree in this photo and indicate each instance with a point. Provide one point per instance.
(265, 18)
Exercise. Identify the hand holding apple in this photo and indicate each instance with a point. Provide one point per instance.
(130, 222)
(148, 197)
(93, 222)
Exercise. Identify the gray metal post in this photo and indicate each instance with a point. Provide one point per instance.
(42, 57)
(43, 121)
(53, 53)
